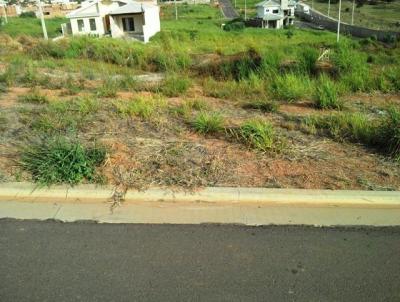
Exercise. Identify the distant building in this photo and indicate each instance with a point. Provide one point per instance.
(275, 13)
(118, 19)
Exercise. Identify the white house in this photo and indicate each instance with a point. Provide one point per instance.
(276, 13)
(116, 18)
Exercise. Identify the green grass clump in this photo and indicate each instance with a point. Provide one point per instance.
(388, 137)
(262, 105)
(185, 109)
(3, 121)
(64, 116)
(257, 134)
(141, 107)
(59, 160)
(356, 127)
(290, 87)
(109, 89)
(34, 97)
(208, 123)
(326, 94)
(382, 134)
(175, 85)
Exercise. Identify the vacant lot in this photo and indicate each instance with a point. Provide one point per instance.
(198, 106)
(379, 14)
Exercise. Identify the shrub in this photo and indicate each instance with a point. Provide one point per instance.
(290, 87)
(208, 122)
(257, 134)
(59, 160)
(175, 85)
(326, 94)
(27, 15)
(235, 25)
(34, 97)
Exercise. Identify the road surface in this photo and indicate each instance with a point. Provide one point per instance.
(227, 9)
(52, 261)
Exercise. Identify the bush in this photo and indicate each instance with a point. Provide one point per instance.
(175, 85)
(59, 160)
(207, 123)
(257, 134)
(235, 25)
(326, 94)
(27, 15)
(290, 87)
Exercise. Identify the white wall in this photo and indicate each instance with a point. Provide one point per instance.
(152, 22)
(117, 29)
(86, 30)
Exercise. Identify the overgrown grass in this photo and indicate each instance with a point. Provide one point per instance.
(59, 160)
(175, 85)
(257, 134)
(109, 89)
(34, 97)
(185, 109)
(326, 94)
(291, 87)
(62, 116)
(143, 107)
(382, 133)
(262, 105)
(208, 122)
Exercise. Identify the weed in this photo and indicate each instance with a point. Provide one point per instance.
(34, 97)
(262, 105)
(208, 123)
(290, 87)
(185, 109)
(141, 107)
(326, 94)
(257, 134)
(175, 85)
(109, 89)
(388, 138)
(60, 160)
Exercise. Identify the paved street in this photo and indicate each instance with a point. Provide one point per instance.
(52, 261)
(228, 9)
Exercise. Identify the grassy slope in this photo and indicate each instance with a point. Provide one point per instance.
(32, 27)
(380, 16)
(196, 32)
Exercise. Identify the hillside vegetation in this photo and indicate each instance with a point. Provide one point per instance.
(201, 106)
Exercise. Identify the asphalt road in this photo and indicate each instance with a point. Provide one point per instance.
(51, 261)
(228, 9)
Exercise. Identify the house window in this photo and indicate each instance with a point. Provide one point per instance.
(128, 24)
(275, 11)
(80, 25)
(92, 23)
(267, 10)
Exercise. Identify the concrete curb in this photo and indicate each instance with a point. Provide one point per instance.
(249, 206)
(216, 195)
